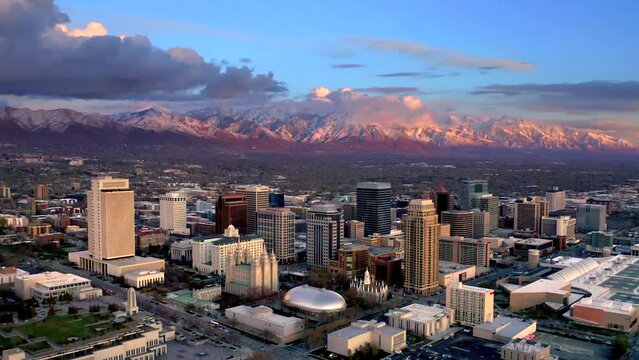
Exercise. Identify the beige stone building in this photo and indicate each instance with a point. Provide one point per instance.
(520, 349)
(359, 334)
(465, 251)
(277, 227)
(173, 213)
(253, 276)
(261, 319)
(539, 292)
(256, 198)
(472, 305)
(422, 320)
(421, 247)
(53, 284)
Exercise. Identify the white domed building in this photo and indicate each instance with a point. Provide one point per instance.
(314, 301)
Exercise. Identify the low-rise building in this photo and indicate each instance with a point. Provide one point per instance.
(52, 285)
(520, 349)
(505, 329)
(450, 272)
(271, 326)
(115, 267)
(208, 293)
(9, 274)
(605, 314)
(539, 292)
(144, 278)
(544, 246)
(422, 320)
(182, 251)
(359, 334)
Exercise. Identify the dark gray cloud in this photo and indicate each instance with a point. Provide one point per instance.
(347, 66)
(39, 58)
(245, 61)
(389, 90)
(620, 96)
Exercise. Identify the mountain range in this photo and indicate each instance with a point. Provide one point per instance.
(273, 129)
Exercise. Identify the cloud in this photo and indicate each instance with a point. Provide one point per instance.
(245, 61)
(586, 97)
(347, 66)
(388, 89)
(401, 74)
(41, 56)
(441, 57)
(365, 109)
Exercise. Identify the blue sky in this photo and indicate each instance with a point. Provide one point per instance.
(547, 60)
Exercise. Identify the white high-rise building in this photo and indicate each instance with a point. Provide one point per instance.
(556, 199)
(472, 305)
(558, 226)
(256, 198)
(110, 217)
(277, 227)
(173, 213)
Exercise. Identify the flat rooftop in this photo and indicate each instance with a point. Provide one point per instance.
(422, 313)
(506, 326)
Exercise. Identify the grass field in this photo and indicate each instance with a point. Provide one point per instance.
(37, 346)
(59, 328)
(10, 342)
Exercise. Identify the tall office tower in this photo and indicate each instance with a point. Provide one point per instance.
(481, 223)
(277, 227)
(231, 209)
(472, 305)
(41, 192)
(591, 217)
(349, 212)
(556, 199)
(257, 198)
(469, 190)
(173, 213)
(110, 219)
(442, 199)
(490, 203)
(355, 229)
(461, 222)
(601, 201)
(5, 192)
(276, 200)
(527, 214)
(421, 247)
(558, 226)
(373, 207)
(324, 234)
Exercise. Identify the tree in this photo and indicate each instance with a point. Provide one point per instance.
(26, 309)
(51, 311)
(6, 317)
(73, 310)
(94, 308)
(620, 346)
(67, 297)
(113, 307)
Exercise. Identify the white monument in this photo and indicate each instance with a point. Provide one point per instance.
(131, 305)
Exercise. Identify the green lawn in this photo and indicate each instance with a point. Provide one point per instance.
(10, 342)
(59, 328)
(35, 347)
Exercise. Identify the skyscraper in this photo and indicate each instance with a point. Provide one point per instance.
(481, 223)
(469, 190)
(527, 213)
(490, 203)
(591, 217)
(556, 199)
(421, 247)
(373, 207)
(324, 234)
(41, 192)
(442, 199)
(230, 209)
(256, 198)
(558, 226)
(277, 227)
(461, 222)
(110, 218)
(173, 213)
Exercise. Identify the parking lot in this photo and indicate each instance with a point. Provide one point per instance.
(569, 348)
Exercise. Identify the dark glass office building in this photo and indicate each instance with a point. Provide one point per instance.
(373, 207)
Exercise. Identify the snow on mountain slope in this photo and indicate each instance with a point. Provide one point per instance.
(271, 124)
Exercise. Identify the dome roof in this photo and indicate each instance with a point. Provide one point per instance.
(574, 271)
(309, 298)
